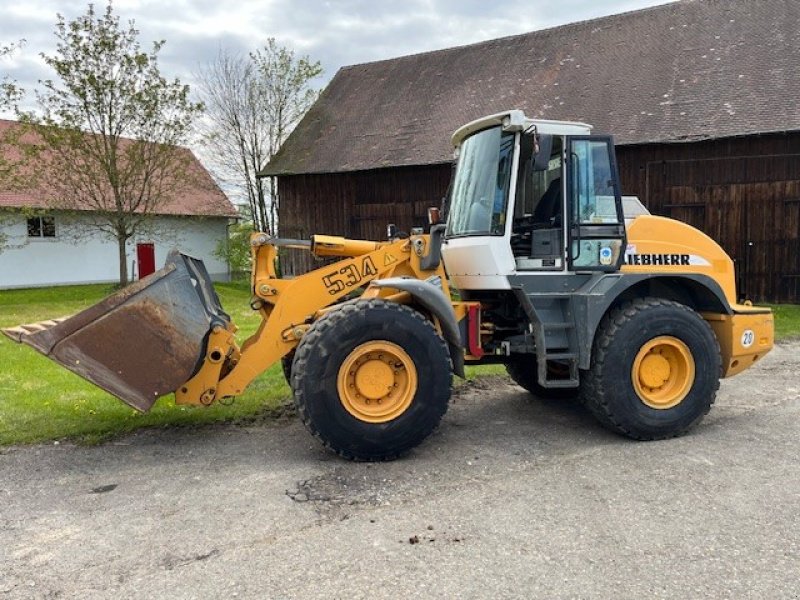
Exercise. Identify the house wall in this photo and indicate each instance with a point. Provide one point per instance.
(743, 192)
(65, 259)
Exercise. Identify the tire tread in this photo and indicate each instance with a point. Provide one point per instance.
(317, 336)
(594, 391)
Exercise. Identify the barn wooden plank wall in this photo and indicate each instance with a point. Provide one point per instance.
(358, 205)
(743, 192)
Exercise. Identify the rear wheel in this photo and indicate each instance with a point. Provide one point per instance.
(523, 370)
(655, 370)
(372, 379)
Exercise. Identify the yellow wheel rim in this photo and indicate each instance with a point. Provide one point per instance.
(663, 372)
(377, 382)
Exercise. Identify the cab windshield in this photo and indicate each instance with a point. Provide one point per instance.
(480, 185)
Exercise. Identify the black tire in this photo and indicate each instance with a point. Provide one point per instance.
(326, 346)
(287, 361)
(607, 388)
(523, 371)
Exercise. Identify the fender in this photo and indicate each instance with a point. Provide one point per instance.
(432, 299)
(590, 308)
(591, 296)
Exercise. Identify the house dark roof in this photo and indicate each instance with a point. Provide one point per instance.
(199, 197)
(684, 71)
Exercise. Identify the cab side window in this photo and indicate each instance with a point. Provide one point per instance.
(597, 230)
(593, 183)
(533, 186)
(537, 234)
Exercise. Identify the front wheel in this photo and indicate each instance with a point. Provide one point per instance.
(655, 370)
(372, 379)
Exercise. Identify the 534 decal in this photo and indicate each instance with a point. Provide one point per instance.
(349, 276)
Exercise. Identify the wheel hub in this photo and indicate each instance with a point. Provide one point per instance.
(654, 371)
(374, 379)
(663, 372)
(377, 382)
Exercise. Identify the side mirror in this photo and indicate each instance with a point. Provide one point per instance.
(543, 148)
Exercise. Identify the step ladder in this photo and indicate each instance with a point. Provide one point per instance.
(551, 319)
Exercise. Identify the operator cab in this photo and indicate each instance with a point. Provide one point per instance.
(531, 196)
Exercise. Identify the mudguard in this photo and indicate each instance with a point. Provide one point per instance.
(432, 299)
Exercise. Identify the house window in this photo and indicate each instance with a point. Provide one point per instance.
(41, 227)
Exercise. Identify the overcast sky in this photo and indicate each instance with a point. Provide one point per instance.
(335, 32)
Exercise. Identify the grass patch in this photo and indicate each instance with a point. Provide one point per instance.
(40, 400)
(787, 321)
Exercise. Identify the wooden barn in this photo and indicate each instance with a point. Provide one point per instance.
(701, 96)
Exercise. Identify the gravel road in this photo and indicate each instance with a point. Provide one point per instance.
(513, 497)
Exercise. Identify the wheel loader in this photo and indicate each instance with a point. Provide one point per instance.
(538, 265)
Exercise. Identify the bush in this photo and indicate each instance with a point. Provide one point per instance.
(236, 249)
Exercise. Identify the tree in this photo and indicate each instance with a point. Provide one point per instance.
(111, 128)
(235, 248)
(252, 104)
(10, 93)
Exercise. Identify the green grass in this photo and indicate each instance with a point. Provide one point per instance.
(40, 400)
(787, 321)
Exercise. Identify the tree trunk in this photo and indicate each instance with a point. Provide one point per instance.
(123, 260)
(263, 220)
(273, 205)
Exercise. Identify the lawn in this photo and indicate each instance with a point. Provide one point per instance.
(787, 321)
(39, 400)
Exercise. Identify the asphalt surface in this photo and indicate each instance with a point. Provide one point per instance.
(513, 497)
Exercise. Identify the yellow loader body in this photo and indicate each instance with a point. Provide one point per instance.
(657, 245)
(639, 316)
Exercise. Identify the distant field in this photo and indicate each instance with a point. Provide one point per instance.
(787, 321)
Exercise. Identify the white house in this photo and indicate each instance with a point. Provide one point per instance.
(42, 248)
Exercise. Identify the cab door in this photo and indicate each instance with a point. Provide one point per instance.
(596, 232)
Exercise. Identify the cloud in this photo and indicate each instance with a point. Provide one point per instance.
(335, 32)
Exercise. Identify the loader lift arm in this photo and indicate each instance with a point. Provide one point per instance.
(288, 306)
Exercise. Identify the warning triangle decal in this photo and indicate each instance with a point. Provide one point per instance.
(388, 259)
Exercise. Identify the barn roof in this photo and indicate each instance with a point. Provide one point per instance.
(199, 197)
(685, 71)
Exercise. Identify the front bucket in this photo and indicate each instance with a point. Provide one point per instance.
(141, 342)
